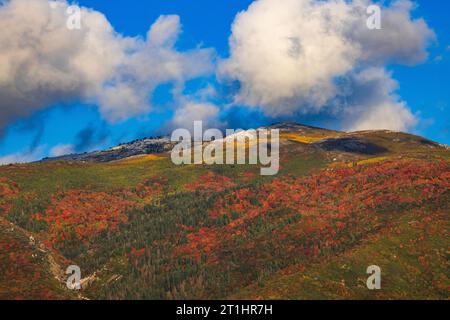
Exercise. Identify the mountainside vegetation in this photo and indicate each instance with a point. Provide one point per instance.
(143, 228)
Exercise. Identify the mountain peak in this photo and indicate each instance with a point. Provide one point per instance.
(304, 136)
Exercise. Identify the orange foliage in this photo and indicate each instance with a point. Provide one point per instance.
(332, 206)
(248, 176)
(8, 190)
(203, 241)
(81, 215)
(210, 182)
(137, 252)
(151, 187)
(23, 270)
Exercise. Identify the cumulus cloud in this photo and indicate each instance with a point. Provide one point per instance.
(23, 156)
(61, 150)
(198, 105)
(369, 102)
(43, 62)
(300, 56)
(191, 111)
(289, 57)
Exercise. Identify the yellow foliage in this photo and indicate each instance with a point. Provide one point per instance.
(139, 159)
(300, 138)
(357, 163)
(371, 160)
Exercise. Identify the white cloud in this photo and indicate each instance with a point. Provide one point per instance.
(165, 31)
(196, 111)
(290, 57)
(62, 149)
(293, 56)
(402, 39)
(288, 52)
(368, 101)
(23, 156)
(393, 116)
(43, 62)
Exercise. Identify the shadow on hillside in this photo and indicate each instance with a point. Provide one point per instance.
(349, 144)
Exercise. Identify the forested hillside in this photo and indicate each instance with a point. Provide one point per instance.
(143, 228)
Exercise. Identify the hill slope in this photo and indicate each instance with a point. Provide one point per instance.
(140, 227)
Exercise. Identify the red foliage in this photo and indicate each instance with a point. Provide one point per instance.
(81, 215)
(23, 270)
(203, 241)
(151, 187)
(210, 182)
(334, 205)
(8, 190)
(248, 176)
(137, 252)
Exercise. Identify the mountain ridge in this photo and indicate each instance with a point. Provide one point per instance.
(331, 140)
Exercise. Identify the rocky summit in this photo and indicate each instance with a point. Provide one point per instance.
(122, 151)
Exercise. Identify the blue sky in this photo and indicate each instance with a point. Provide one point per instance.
(426, 87)
(423, 86)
